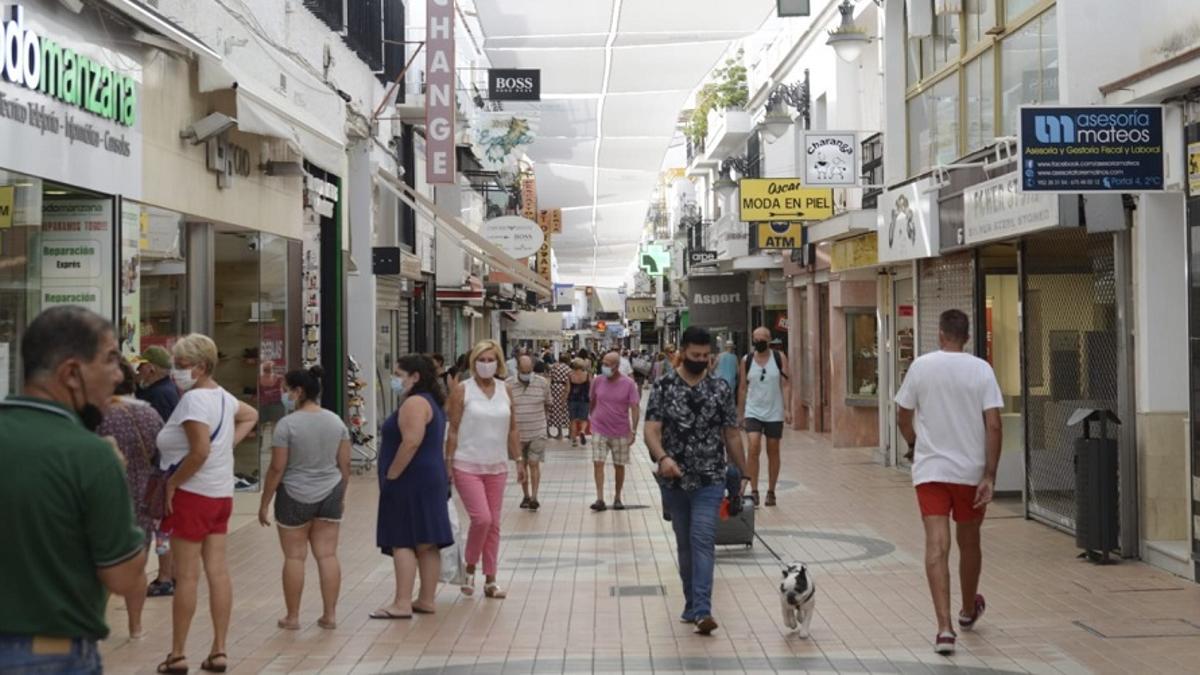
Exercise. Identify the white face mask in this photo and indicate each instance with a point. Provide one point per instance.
(182, 377)
(486, 369)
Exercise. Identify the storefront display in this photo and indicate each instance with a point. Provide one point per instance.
(862, 353)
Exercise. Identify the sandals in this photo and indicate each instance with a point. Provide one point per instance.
(754, 496)
(170, 665)
(208, 665)
(770, 498)
(494, 591)
(468, 588)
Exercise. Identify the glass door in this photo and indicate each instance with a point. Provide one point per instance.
(904, 351)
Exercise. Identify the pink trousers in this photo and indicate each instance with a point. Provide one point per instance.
(482, 495)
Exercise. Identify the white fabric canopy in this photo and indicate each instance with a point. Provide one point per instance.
(536, 326)
(615, 74)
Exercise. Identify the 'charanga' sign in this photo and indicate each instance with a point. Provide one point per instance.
(782, 199)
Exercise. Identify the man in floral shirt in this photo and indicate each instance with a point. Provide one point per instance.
(691, 429)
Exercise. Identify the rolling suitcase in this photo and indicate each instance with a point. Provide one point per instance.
(738, 529)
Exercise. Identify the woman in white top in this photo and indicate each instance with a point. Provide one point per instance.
(196, 448)
(481, 439)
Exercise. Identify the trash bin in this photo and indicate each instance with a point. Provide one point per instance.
(1097, 510)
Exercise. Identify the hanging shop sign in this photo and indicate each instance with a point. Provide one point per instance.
(854, 253)
(831, 159)
(701, 257)
(518, 237)
(7, 193)
(1092, 149)
(66, 109)
(439, 92)
(780, 199)
(1193, 162)
(75, 249)
(543, 261)
(655, 259)
(552, 218)
(564, 295)
(514, 84)
(529, 207)
(639, 309)
(997, 209)
(784, 235)
(500, 138)
(907, 222)
(718, 301)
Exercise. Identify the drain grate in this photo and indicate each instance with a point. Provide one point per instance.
(634, 591)
(1154, 628)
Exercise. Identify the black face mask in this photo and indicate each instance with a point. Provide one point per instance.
(760, 346)
(695, 367)
(89, 414)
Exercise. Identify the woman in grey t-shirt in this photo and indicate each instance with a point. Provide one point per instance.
(310, 468)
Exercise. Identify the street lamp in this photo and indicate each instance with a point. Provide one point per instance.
(848, 40)
(730, 170)
(777, 120)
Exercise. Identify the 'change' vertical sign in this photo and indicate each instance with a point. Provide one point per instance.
(439, 92)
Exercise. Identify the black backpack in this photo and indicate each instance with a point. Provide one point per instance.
(778, 363)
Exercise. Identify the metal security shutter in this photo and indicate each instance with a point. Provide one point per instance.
(403, 329)
(945, 283)
(1071, 356)
(389, 297)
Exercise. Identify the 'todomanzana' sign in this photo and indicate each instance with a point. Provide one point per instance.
(439, 91)
(41, 64)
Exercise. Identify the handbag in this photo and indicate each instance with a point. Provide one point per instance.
(155, 496)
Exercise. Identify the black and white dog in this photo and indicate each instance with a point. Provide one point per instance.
(797, 598)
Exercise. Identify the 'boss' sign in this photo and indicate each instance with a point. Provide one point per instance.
(511, 84)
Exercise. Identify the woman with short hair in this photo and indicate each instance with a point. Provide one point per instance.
(414, 516)
(308, 476)
(196, 449)
(483, 425)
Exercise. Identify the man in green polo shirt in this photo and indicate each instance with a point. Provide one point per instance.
(68, 527)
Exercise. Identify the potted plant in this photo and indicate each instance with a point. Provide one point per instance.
(727, 90)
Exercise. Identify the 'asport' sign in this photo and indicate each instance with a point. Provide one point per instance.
(514, 84)
(439, 91)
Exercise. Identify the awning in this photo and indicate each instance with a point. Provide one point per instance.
(154, 20)
(316, 135)
(608, 300)
(846, 224)
(536, 326)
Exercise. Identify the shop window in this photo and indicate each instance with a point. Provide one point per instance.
(980, 18)
(153, 278)
(862, 355)
(1028, 68)
(1015, 8)
(933, 126)
(979, 81)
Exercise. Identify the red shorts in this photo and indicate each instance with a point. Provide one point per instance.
(942, 499)
(194, 517)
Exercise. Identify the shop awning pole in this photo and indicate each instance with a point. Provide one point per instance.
(488, 252)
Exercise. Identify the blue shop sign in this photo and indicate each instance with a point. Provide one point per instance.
(1092, 149)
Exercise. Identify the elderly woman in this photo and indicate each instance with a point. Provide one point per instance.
(481, 438)
(196, 449)
(134, 425)
(414, 519)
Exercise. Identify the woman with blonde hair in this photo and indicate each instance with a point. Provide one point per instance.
(196, 450)
(481, 437)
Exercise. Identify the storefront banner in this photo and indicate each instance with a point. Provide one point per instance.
(51, 125)
(831, 159)
(907, 222)
(778, 199)
(132, 223)
(639, 309)
(855, 253)
(776, 236)
(718, 301)
(997, 209)
(518, 237)
(500, 138)
(440, 78)
(514, 84)
(74, 253)
(553, 218)
(1092, 149)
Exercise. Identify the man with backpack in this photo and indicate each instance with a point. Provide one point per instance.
(764, 405)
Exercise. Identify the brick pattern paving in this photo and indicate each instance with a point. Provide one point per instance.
(600, 593)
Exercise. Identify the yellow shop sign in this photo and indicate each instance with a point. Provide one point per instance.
(782, 199)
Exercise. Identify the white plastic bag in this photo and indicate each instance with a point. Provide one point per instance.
(453, 570)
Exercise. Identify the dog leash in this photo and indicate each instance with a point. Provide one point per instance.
(768, 547)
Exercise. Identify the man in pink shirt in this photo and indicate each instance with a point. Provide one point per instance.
(614, 418)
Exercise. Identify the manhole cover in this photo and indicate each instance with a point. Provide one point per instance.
(627, 591)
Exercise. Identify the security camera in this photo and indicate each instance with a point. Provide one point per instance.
(208, 127)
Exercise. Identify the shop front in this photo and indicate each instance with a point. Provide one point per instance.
(68, 157)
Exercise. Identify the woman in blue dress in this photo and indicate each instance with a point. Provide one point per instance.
(414, 518)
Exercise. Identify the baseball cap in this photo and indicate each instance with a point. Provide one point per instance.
(155, 356)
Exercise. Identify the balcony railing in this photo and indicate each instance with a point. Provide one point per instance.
(329, 11)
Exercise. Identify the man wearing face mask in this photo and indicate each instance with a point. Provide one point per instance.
(764, 406)
(614, 416)
(154, 375)
(531, 400)
(69, 532)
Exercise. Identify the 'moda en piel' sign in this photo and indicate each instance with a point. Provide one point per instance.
(41, 64)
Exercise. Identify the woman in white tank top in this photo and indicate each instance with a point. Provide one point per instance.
(481, 439)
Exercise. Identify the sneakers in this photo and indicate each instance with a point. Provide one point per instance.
(967, 622)
(705, 625)
(526, 502)
(599, 506)
(944, 644)
(160, 589)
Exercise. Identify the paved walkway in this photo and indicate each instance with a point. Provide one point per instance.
(599, 592)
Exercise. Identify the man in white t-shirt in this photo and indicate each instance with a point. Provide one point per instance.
(956, 443)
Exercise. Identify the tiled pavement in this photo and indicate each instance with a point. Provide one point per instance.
(585, 592)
